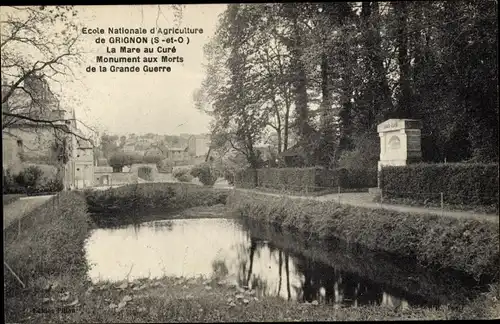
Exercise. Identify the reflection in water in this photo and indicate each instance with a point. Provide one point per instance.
(221, 248)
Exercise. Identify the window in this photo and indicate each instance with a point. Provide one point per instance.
(20, 145)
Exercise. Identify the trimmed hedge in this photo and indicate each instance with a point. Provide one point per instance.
(307, 179)
(466, 245)
(472, 184)
(145, 197)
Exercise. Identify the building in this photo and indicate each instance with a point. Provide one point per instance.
(81, 165)
(177, 154)
(43, 144)
(198, 145)
(27, 143)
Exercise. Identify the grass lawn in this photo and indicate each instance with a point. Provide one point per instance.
(10, 198)
(182, 300)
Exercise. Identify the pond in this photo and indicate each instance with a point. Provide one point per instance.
(270, 261)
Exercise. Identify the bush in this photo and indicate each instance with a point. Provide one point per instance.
(152, 196)
(165, 166)
(183, 175)
(10, 186)
(307, 179)
(229, 177)
(466, 245)
(29, 177)
(472, 184)
(204, 173)
(357, 178)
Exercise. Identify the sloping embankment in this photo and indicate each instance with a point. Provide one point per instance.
(467, 245)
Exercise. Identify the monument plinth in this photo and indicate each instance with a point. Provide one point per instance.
(400, 142)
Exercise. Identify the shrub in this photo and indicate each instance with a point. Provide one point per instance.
(152, 159)
(121, 159)
(183, 175)
(466, 245)
(473, 184)
(353, 178)
(10, 186)
(229, 177)
(165, 166)
(307, 179)
(29, 178)
(204, 173)
(152, 196)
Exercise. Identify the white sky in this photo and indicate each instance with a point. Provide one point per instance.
(141, 102)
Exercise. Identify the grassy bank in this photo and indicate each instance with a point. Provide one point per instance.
(394, 275)
(136, 198)
(49, 249)
(199, 300)
(10, 198)
(493, 209)
(470, 246)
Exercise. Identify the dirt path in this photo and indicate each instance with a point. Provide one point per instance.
(364, 199)
(21, 207)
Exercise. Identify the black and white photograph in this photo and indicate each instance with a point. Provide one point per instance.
(250, 162)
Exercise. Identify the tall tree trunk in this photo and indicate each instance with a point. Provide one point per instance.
(382, 101)
(404, 100)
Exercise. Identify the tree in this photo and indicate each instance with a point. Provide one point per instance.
(120, 159)
(108, 145)
(236, 100)
(32, 55)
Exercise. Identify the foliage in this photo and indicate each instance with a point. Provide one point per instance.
(473, 184)
(233, 88)
(152, 196)
(346, 67)
(204, 173)
(152, 159)
(39, 49)
(183, 175)
(165, 166)
(31, 180)
(465, 245)
(121, 159)
(108, 145)
(29, 177)
(307, 179)
(145, 173)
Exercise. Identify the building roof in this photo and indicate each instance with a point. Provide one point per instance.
(177, 148)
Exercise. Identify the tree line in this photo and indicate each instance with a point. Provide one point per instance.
(329, 73)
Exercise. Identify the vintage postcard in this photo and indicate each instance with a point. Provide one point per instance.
(291, 161)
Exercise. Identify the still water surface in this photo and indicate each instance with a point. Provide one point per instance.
(230, 249)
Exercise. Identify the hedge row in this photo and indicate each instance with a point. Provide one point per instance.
(460, 183)
(306, 179)
(136, 198)
(466, 245)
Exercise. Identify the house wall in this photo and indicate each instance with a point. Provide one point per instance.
(202, 145)
(84, 167)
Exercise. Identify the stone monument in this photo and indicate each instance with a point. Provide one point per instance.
(399, 143)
